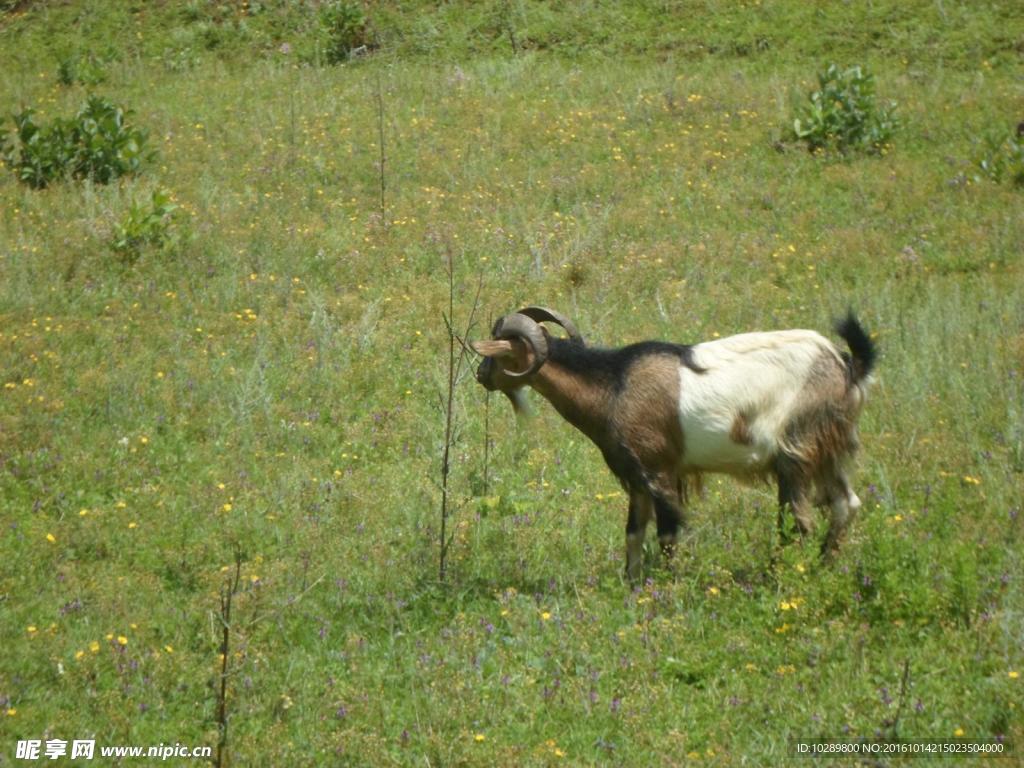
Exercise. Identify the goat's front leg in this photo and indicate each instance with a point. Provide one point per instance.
(670, 520)
(668, 510)
(640, 513)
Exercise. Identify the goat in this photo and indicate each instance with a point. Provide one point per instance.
(782, 403)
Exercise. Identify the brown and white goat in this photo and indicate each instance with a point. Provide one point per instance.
(783, 403)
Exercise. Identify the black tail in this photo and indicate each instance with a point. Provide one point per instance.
(862, 348)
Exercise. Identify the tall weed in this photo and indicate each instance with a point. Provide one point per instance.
(1002, 159)
(346, 29)
(144, 226)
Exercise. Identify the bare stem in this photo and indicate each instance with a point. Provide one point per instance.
(487, 442)
(903, 695)
(455, 365)
(510, 27)
(380, 136)
(227, 593)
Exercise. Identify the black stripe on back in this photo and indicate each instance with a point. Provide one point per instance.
(611, 367)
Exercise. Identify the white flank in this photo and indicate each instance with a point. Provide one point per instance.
(754, 376)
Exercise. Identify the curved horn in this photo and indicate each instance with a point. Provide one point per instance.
(543, 314)
(519, 326)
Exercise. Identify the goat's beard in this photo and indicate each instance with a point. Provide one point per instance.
(519, 403)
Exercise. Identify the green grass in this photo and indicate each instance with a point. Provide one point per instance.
(266, 383)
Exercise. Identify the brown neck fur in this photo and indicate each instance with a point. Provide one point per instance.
(582, 403)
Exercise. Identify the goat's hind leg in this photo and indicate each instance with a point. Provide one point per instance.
(793, 494)
(843, 507)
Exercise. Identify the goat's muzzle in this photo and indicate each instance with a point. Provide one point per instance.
(484, 374)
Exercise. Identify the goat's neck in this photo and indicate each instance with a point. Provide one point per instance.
(583, 403)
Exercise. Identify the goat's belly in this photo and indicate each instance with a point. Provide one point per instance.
(711, 445)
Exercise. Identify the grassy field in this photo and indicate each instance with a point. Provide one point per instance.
(252, 404)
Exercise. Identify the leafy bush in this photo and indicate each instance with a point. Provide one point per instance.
(35, 155)
(144, 226)
(96, 144)
(843, 115)
(87, 70)
(1003, 159)
(346, 28)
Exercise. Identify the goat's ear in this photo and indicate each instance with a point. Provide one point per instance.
(492, 347)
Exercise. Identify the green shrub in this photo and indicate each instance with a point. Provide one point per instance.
(36, 156)
(1002, 159)
(144, 226)
(96, 144)
(842, 115)
(346, 28)
(86, 70)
